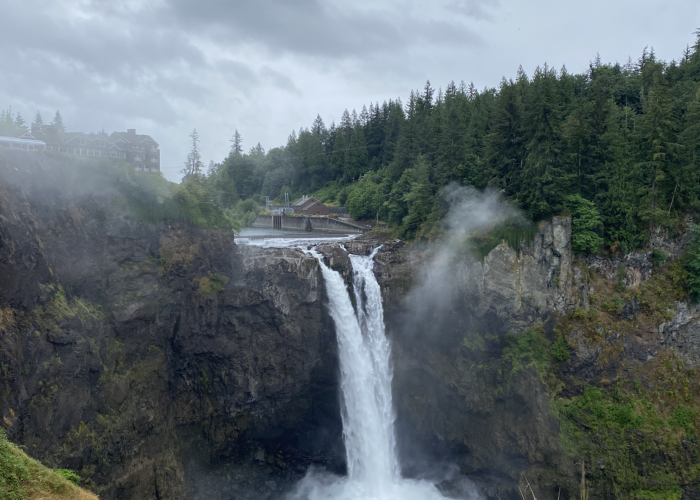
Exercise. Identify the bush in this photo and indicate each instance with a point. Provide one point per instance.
(529, 349)
(658, 257)
(68, 474)
(620, 278)
(560, 349)
(683, 417)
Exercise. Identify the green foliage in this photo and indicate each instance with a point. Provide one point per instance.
(658, 257)
(560, 349)
(615, 305)
(531, 349)
(22, 478)
(68, 474)
(624, 431)
(692, 264)
(13, 470)
(683, 417)
(361, 202)
(620, 278)
(243, 213)
(585, 219)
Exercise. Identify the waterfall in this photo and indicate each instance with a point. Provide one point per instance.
(367, 410)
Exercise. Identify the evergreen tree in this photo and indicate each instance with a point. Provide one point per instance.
(356, 164)
(504, 143)
(418, 199)
(236, 144)
(657, 146)
(544, 181)
(58, 122)
(38, 120)
(193, 165)
(19, 123)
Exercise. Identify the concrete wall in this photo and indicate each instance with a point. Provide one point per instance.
(317, 223)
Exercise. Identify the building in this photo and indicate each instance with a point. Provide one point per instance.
(23, 143)
(310, 206)
(140, 150)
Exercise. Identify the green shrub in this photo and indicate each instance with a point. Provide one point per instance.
(615, 305)
(68, 474)
(529, 349)
(683, 417)
(658, 257)
(620, 278)
(560, 349)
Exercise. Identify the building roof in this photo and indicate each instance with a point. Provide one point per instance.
(17, 140)
(301, 201)
(308, 203)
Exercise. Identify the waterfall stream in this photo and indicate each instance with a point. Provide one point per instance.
(367, 410)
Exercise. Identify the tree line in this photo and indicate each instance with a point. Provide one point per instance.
(617, 144)
(14, 125)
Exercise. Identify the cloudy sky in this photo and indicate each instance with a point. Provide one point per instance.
(267, 67)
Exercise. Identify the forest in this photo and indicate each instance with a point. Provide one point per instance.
(618, 145)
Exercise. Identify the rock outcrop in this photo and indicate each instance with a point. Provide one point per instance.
(160, 360)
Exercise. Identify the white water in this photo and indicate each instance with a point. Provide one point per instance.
(367, 410)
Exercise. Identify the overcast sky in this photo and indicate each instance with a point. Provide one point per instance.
(267, 67)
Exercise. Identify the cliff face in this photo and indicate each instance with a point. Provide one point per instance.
(165, 361)
(447, 315)
(532, 365)
(160, 361)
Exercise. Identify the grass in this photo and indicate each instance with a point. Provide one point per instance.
(23, 478)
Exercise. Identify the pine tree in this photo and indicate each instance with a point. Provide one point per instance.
(657, 146)
(544, 181)
(364, 116)
(58, 122)
(236, 144)
(38, 120)
(339, 157)
(193, 165)
(357, 158)
(19, 123)
(504, 143)
(418, 199)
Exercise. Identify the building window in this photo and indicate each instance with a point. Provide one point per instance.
(154, 160)
(82, 141)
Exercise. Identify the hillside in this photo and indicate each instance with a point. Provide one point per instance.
(23, 478)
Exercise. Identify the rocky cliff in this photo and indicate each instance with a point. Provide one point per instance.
(532, 366)
(159, 361)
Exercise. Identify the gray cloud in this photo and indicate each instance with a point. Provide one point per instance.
(314, 28)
